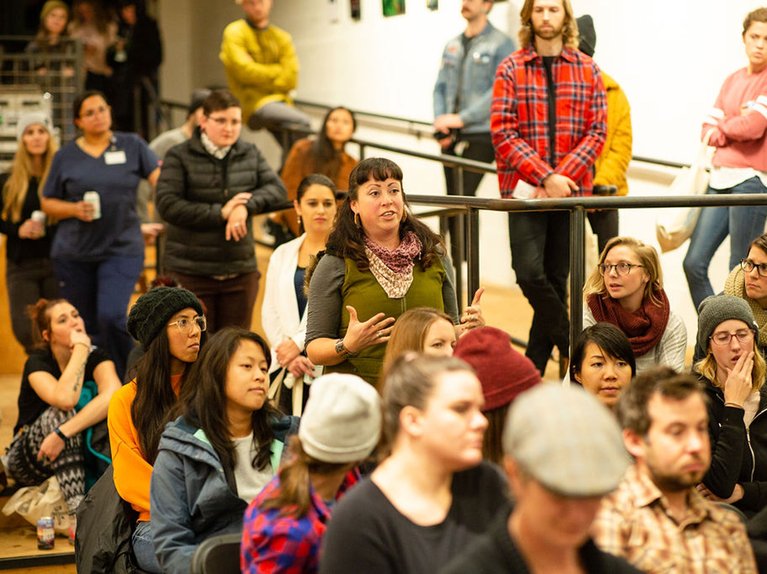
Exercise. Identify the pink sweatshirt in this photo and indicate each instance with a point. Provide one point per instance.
(740, 121)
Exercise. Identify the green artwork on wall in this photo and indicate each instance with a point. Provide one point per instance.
(393, 7)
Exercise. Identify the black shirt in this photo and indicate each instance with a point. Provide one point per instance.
(30, 404)
(368, 534)
(496, 553)
(18, 249)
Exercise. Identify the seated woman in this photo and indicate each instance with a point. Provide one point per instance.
(749, 282)
(626, 289)
(602, 362)
(380, 262)
(218, 455)
(48, 434)
(432, 494)
(324, 154)
(734, 375)
(503, 372)
(169, 324)
(28, 273)
(284, 525)
(283, 313)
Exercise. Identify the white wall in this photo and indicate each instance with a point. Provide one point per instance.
(669, 55)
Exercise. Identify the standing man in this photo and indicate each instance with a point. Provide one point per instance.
(656, 518)
(548, 122)
(463, 93)
(563, 453)
(262, 70)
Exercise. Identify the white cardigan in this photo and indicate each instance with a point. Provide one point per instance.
(279, 312)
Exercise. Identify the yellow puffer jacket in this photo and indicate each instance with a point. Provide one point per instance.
(261, 65)
(612, 163)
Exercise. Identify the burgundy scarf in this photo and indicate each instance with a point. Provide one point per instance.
(644, 327)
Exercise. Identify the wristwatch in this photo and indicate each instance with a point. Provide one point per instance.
(341, 349)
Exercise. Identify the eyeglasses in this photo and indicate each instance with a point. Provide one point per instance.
(221, 122)
(723, 338)
(93, 111)
(185, 325)
(621, 268)
(748, 266)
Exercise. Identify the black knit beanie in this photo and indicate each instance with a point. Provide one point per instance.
(717, 309)
(153, 310)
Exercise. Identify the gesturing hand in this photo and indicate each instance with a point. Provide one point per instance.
(363, 334)
(472, 315)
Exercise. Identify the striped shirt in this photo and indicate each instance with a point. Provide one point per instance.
(635, 522)
(519, 119)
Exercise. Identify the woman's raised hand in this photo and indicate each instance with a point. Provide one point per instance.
(363, 334)
(738, 385)
(472, 316)
(79, 338)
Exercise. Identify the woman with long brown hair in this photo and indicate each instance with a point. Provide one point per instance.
(29, 274)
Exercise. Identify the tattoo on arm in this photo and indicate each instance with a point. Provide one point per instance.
(79, 378)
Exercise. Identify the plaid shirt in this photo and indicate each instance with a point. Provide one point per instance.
(274, 543)
(634, 522)
(519, 119)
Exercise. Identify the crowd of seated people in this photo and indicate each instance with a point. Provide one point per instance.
(377, 427)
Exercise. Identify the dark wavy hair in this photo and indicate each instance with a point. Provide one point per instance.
(348, 240)
(327, 159)
(203, 398)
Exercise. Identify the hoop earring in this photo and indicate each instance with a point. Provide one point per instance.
(357, 220)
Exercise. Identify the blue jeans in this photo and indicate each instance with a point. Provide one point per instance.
(143, 548)
(101, 291)
(540, 256)
(743, 224)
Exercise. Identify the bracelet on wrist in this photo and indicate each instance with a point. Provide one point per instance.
(61, 434)
(342, 349)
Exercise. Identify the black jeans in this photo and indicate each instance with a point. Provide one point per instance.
(604, 224)
(478, 147)
(540, 257)
(28, 280)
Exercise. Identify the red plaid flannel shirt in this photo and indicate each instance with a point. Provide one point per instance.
(519, 119)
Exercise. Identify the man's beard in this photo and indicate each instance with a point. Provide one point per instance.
(550, 33)
(675, 482)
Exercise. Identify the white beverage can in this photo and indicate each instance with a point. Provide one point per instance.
(39, 217)
(93, 198)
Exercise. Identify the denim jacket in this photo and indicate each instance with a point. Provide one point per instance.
(192, 495)
(488, 49)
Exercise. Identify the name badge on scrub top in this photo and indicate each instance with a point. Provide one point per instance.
(115, 157)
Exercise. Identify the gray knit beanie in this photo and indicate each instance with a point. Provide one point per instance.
(342, 419)
(716, 309)
(29, 118)
(155, 308)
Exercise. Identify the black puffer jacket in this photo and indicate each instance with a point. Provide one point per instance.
(738, 456)
(192, 189)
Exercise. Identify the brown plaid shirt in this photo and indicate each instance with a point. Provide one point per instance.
(635, 522)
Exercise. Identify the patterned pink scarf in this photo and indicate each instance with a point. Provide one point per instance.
(393, 268)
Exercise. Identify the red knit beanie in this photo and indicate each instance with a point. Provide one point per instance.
(502, 370)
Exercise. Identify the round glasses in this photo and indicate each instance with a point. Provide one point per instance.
(723, 338)
(748, 266)
(185, 325)
(621, 268)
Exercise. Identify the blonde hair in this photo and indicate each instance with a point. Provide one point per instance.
(707, 367)
(409, 334)
(648, 257)
(22, 169)
(570, 37)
